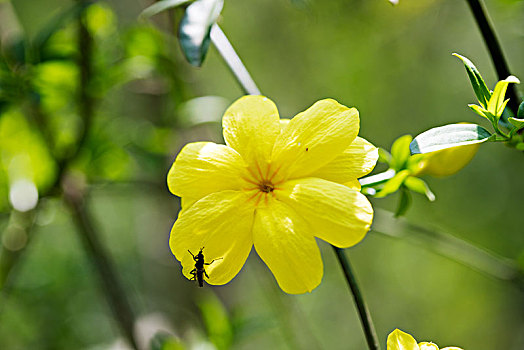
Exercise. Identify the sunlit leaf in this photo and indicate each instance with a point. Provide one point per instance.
(195, 29)
(393, 184)
(496, 103)
(400, 152)
(161, 6)
(420, 186)
(447, 136)
(482, 112)
(479, 86)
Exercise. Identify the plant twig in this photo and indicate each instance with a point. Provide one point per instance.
(363, 312)
(226, 50)
(100, 258)
(449, 246)
(495, 50)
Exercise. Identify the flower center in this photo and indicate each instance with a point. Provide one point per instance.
(266, 186)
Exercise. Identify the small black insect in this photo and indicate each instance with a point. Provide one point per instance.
(199, 271)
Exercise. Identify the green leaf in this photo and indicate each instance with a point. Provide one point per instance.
(447, 136)
(482, 112)
(518, 123)
(420, 186)
(404, 202)
(400, 152)
(393, 184)
(161, 6)
(520, 113)
(496, 103)
(195, 29)
(479, 86)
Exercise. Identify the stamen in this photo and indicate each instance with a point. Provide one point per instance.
(266, 186)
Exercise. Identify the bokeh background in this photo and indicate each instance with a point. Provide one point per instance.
(393, 63)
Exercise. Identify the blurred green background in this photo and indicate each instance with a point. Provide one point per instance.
(393, 63)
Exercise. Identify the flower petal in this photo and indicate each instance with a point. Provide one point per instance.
(447, 161)
(398, 340)
(220, 223)
(427, 346)
(357, 160)
(205, 167)
(251, 126)
(315, 137)
(284, 242)
(336, 213)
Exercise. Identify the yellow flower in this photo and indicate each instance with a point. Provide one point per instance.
(398, 340)
(447, 161)
(277, 185)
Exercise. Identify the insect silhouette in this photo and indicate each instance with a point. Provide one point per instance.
(199, 271)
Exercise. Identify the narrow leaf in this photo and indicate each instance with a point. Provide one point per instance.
(482, 112)
(496, 102)
(518, 123)
(195, 29)
(420, 186)
(520, 113)
(161, 6)
(393, 184)
(479, 86)
(447, 136)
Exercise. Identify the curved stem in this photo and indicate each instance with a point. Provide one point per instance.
(495, 51)
(228, 53)
(363, 312)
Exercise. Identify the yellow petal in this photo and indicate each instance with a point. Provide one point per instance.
(337, 214)
(205, 167)
(398, 340)
(314, 138)
(221, 223)
(357, 160)
(447, 161)
(284, 242)
(283, 123)
(427, 346)
(251, 126)
(451, 348)
(354, 184)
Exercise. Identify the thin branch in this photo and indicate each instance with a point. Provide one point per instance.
(89, 235)
(226, 50)
(450, 247)
(363, 312)
(495, 51)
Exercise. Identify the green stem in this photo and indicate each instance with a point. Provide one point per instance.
(495, 50)
(113, 290)
(449, 246)
(363, 312)
(228, 53)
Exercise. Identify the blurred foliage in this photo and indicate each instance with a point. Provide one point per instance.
(388, 61)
